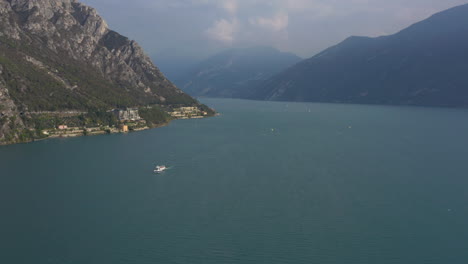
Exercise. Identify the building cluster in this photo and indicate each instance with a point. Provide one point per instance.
(188, 112)
(129, 114)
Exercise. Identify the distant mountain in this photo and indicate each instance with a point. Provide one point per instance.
(425, 64)
(59, 57)
(174, 66)
(234, 72)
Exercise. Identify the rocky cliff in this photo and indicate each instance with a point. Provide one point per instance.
(60, 55)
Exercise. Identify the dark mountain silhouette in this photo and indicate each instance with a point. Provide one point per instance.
(234, 72)
(425, 64)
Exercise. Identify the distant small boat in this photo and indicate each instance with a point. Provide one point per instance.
(160, 169)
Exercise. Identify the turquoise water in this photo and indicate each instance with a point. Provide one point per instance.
(265, 182)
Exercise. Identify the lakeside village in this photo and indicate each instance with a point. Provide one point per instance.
(128, 120)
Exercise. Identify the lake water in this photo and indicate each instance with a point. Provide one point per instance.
(265, 182)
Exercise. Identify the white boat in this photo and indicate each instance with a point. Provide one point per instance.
(160, 169)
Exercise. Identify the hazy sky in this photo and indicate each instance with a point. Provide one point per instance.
(198, 28)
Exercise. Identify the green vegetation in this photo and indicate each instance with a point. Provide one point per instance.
(44, 91)
(98, 118)
(92, 119)
(27, 135)
(84, 88)
(23, 135)
(37, 89)
(205, 108)
(3, 120)
(154, 115)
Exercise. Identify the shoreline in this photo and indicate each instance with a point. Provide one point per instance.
(43, 125)
(99, 133)
(80, 132)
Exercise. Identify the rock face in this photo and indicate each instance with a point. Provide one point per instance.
(425, 64)
(8, 111)
(58, 55)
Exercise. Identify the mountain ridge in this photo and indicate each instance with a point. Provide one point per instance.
(233, 72)
(60, 55)
(422, 64)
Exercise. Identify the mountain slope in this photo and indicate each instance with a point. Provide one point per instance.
(174, 66)
(60, 56)
(234, 72)
(425, 64)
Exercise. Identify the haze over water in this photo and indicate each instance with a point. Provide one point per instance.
(265, 182)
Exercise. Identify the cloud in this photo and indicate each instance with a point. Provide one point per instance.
(223, 30)
(231, 6)
(276, 23)
(317, 9)
(302, 26)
